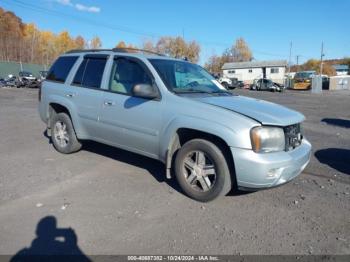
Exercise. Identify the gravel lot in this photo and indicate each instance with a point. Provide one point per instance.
(120, 203)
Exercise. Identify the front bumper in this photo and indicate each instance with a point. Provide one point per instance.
(258, 171)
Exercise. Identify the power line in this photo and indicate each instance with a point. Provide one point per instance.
(80, 19)
(120, 28)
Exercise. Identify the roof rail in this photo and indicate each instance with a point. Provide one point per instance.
(117, 49)
(126, 49)
(86, 50)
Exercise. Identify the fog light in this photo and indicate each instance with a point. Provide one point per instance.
(274, 172)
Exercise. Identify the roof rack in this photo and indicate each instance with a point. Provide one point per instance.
(117, 49)
(125, 50)
(86, 50)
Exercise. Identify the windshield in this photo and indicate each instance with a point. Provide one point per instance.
(184, 77)
(303, 74)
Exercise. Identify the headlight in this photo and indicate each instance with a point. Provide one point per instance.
(267, 139)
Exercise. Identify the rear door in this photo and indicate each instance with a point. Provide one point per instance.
(129, 121)
(85, 91)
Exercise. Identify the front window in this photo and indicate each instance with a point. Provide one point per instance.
(184, 77)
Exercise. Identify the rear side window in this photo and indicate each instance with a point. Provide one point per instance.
(90, 72)
(61, 68)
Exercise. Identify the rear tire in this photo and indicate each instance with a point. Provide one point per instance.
(63, 135)
(202, 171)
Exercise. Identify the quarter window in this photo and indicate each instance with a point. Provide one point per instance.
(61, 68)
(90, 72)
(126, 74)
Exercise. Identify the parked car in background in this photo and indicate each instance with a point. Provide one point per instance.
(12, 81)
(27, 79)
(24, 75)
(42, 75)
(176, 112)
(266, 84)
(2, 82)
(230, 83)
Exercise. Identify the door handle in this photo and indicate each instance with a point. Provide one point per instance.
(70, 95)
(109, 103)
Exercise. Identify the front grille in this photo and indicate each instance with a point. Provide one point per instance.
(293, 136)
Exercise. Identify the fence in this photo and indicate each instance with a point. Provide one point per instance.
(13, 68)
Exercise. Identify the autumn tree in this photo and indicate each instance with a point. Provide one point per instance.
(22, 42)
(148, 45)
(95, 43)
(175, 47)
(79, 42)
(121, 44)
(214, 64)
(315, 65)
(241, 51)
(12, 33)
(31, 39)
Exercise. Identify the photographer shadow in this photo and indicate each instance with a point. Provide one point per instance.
(52, 244)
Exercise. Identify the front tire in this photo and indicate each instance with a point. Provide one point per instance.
(202, 171)
(63, 135)
(225, 84)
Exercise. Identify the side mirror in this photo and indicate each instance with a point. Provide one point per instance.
(145, 91)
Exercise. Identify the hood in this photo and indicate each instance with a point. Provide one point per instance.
(266, 113)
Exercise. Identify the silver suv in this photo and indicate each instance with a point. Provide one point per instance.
(174, 111)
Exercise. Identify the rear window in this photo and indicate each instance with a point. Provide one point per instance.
(61, 68)
(90, 72)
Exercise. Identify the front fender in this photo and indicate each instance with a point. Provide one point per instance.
(229, 135)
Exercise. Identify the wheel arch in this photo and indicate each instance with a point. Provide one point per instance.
(56, 106)
(184, 134)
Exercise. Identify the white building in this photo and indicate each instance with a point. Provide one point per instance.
(341, 70)
(248, 71)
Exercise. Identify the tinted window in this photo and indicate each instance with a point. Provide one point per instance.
(90, 72)
(126, 74)
(61, 68)
(78, 79)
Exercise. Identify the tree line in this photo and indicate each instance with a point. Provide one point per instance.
(21, 42)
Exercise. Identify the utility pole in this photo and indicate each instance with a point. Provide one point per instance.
(290, 56)
(183, 34)
(297, 62)
(322, 55)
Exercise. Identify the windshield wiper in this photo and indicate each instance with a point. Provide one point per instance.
(191, 91)
(221, 92)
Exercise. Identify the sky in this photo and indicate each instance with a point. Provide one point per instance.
(268, 26)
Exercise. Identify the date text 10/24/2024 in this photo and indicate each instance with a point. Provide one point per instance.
(173, 258)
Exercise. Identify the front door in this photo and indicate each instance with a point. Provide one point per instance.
(129, 121)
